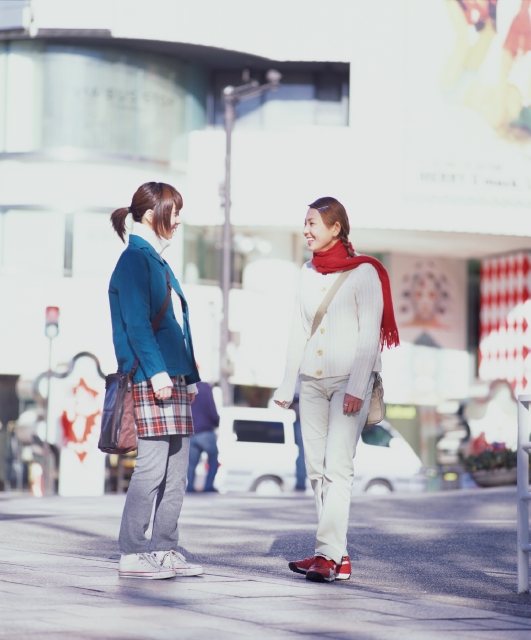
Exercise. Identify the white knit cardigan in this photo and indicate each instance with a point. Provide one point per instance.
(347, 342)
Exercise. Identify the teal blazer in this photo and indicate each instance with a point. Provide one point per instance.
(137, 291)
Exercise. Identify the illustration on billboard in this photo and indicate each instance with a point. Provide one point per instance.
(425, 298)
(430, 299)
(81, 421)
(473, 80)
(74, 415)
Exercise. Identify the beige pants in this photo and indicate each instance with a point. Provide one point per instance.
(330, 440)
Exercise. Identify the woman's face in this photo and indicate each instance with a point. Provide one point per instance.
(425, 297)
(175, 221)
(317, 234)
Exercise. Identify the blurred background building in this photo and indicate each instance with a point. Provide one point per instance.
(415, 114)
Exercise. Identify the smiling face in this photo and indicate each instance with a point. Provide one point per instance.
(317, 234)
(175, 221)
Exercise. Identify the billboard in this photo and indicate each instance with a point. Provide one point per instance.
(430, 300)
(74, 422)
(432, 363)
(468, 104)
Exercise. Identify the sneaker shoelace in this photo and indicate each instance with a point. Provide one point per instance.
(147, 557)
(175, 557)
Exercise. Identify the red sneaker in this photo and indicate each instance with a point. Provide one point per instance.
(321, 570)
(301, 566)
(344, 569)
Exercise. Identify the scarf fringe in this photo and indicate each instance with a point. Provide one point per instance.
(389, 339)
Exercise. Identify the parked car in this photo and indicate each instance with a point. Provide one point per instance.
(257, 452)
(385, 462)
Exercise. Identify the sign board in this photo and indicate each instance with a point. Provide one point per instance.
(76, 402)
(429, 296)
(468, 113)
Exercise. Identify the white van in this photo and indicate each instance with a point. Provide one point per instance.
(257, 452)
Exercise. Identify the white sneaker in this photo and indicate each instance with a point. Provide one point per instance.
(143, 565)
(177, 562)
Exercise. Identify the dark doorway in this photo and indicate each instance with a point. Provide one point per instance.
(8, 412)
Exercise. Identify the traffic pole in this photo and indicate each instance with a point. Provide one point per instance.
(51, 331)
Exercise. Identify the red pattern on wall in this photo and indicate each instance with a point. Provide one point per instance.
(505, 320)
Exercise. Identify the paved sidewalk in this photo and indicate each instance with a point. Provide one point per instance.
(58, 571)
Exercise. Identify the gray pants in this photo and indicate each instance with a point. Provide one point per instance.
(161, 468)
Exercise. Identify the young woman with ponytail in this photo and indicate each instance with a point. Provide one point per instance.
(336, 365)
(164, 382)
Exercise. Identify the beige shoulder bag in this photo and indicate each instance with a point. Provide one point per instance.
(377, 408)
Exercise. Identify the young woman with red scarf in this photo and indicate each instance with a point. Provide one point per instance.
(337, 365)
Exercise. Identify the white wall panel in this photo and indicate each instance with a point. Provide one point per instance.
(279, 29)
(276, 174)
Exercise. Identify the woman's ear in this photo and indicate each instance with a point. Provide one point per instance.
(148, 217)
(336, 229)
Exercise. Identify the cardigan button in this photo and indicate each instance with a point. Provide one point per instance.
(319, 372)
(319, 353)
(323, 289)
(322, 330)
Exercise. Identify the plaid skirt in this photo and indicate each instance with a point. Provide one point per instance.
(162, 417)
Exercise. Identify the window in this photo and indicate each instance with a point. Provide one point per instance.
(32, 242)
(96, 246)
(304, 98)
(104, 101)
(202, 254)
(259, 431)
(377, 436)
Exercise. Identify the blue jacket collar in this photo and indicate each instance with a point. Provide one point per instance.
(139, 242)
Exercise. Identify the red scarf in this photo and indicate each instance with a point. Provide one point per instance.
(337, 259)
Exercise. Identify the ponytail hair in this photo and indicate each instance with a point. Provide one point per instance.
(333, 211)
(118, 218)
(157, 196)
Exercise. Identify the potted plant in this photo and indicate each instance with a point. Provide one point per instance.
(493, 467)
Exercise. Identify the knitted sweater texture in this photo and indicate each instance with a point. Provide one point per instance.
(347, 342)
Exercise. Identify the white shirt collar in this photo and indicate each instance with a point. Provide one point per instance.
(147, 234)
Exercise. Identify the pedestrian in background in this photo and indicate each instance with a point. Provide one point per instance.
(300, 465)
(163, 384)
(206, 419)
(336, 365)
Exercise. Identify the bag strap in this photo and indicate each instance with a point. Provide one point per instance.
(157, 320)
(323, 308)
(162, 312)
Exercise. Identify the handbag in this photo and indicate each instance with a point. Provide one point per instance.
(118, 427)
(377, 406)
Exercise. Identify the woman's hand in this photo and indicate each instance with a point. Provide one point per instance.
(351, 404)
(164, 393)
(191, 397)
(281, 404)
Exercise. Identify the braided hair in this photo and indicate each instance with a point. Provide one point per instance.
(333, 211)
